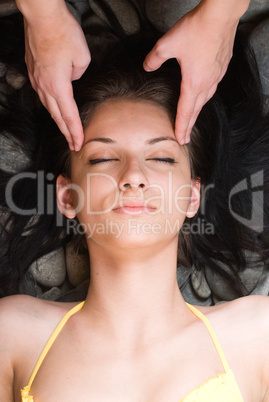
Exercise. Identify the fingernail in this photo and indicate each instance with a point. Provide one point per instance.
(71, 146)
(146, 67)
(187, 139)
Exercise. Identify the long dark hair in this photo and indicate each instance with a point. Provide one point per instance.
(229, 145)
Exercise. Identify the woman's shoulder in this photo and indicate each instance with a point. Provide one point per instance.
(252, 313)
(249, 313)
(250, 317)
(254, 306)
(242, 326)
(251, 309)
(26, 323)
(22, 311)
(24, 319)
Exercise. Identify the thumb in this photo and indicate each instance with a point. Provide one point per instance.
(155, 58)
(79, 68)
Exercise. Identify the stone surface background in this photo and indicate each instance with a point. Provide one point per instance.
(64, 273)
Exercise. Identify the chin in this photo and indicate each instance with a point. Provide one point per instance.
(133, 232)
(131, 241)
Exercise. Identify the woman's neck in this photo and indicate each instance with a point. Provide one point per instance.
(134, 293)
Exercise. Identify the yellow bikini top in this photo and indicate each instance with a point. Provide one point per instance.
(221, 388)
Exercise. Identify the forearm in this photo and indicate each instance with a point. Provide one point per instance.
(225, 10)
(35, 9)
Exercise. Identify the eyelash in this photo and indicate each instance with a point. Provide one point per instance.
(163, 160)
(102, 160)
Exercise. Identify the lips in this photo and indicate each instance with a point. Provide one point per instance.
(134, 208)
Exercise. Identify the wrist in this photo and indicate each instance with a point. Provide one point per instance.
(35, 9)
(224, 10)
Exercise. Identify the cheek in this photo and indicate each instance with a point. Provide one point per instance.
(182, 200)
(173, 192)
(96, 194)
(183, 188)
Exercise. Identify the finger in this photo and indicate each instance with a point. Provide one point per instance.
(64, 111)
(201, 100)
(78, 71)
(32, 81)
(42, 98)
(192, 121)
(54, 110)
(212, 91)
(185, 112)
(189, 106)
(156, 57)
(70, 115)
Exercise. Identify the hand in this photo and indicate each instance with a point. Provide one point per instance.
(203, 46)
(56, 53)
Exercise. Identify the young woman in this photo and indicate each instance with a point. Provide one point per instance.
(131, 187)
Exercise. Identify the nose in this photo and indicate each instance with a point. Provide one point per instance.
(133, 177)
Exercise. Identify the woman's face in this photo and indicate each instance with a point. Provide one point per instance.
(131, 181)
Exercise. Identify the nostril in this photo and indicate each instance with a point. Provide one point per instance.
(128, 185)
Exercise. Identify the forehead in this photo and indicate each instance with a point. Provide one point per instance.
(128, 121)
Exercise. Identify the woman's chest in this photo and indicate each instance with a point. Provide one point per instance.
(85, 368)
(71, 372)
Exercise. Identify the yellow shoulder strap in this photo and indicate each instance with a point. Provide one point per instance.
(52, 339)
(213, 335)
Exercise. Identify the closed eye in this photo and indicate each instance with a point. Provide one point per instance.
(100, 160)
(163, 160)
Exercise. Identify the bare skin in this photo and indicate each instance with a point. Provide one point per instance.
(88, 360)
(135, 339)
(57, 53)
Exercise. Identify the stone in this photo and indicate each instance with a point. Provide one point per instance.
(15, 79)
(100, 40)
(74, 12)
(200, 284)
(257, 10)
(192, 298)
(7, 7)
(28, 286)
(259, 41)
(123, 10)
(262, 287)
(49, 270)
(81, 6)
(3, 69)
(164, 14)
(221, 288)
(76, 295)
(66, 286)
(183, 275)
(77, 264)
(52, 294)
(12, 157)
(266, 104)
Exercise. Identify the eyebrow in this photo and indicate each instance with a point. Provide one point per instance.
(153, 141)
(105, 140)
(159, 139)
